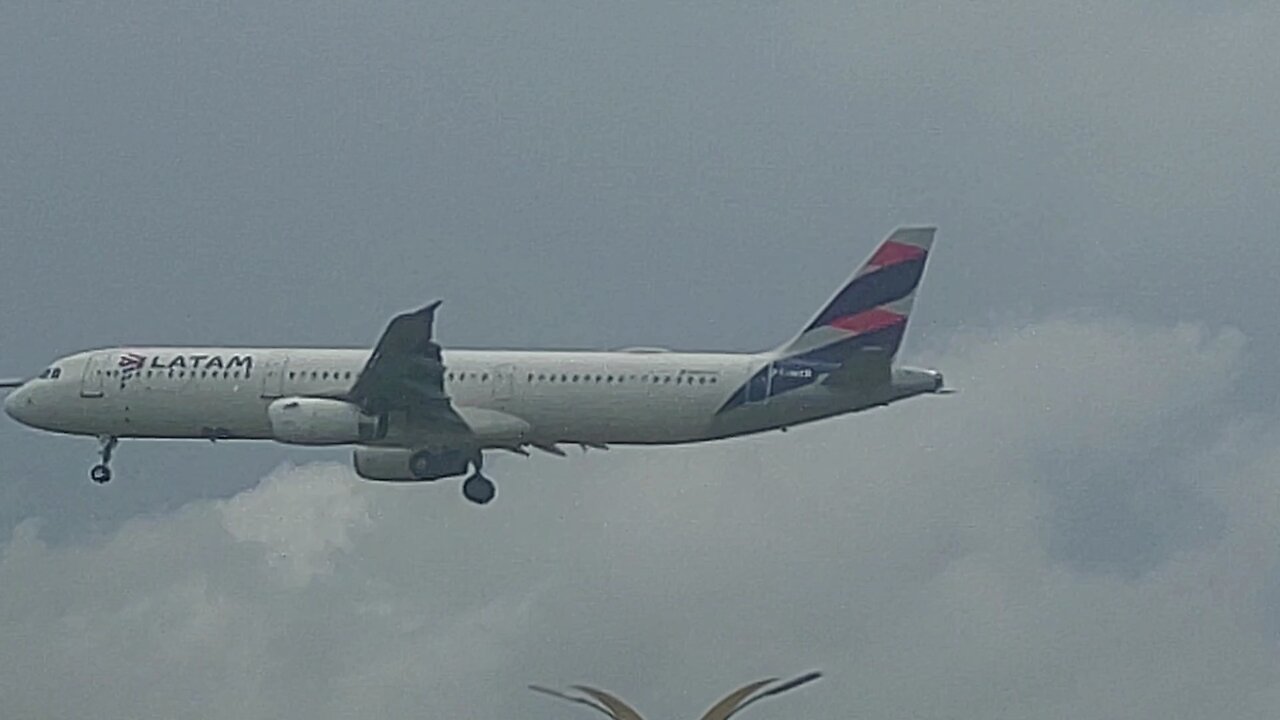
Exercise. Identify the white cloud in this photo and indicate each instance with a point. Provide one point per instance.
(909, 552)
(300, 526)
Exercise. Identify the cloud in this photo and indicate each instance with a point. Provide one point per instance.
(301, 526)
(932, 557)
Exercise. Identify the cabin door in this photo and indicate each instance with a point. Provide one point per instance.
(273, 377)
(759, 385)
(91, 382)
(504, 379)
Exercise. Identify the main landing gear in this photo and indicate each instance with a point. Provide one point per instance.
(101, 473)
(427, 465)
(478, 488)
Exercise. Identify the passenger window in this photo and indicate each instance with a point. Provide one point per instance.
(291, 374)
(324, 375)
(484, 377)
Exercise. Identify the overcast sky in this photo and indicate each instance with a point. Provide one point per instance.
(1090, 530)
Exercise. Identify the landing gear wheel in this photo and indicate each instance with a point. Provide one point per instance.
(101, 473)
(479, 489)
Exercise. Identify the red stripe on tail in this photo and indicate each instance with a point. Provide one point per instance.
(868, 321)
(892, 253)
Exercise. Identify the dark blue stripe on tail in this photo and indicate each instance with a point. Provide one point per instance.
(873, 290)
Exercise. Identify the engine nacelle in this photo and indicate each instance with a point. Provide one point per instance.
(322, 421)
(403, 465)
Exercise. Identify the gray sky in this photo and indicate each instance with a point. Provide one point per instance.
(1088, 531)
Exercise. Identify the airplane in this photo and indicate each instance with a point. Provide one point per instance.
(415, 412)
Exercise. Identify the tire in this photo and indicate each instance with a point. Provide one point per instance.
(479, 489)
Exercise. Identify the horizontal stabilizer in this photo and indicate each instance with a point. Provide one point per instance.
(868, 367)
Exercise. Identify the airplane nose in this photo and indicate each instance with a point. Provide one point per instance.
(16, 403)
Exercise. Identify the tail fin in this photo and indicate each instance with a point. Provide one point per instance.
(869, 313)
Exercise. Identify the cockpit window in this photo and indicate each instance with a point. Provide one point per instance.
(45, 375)
(51, 373)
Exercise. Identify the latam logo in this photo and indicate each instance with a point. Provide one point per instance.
(133, 362)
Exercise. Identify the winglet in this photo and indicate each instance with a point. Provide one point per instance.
(427, 314)
(410, 331)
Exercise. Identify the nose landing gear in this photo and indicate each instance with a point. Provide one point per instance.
(101, 473)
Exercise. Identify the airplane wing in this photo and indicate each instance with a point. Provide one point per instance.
(11, 382)
(405, 373)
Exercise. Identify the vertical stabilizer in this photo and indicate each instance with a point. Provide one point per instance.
(870, 311)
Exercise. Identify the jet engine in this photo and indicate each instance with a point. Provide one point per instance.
(403, 465)
(322, 421)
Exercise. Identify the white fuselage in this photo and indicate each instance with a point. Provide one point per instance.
(624, 397)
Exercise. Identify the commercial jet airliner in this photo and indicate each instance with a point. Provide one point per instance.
(415, 412)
